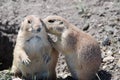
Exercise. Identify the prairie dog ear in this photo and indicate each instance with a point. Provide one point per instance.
(43, 24)
(22, 25)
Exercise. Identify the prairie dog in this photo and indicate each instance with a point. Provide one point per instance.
(33, 54)
(82, 51)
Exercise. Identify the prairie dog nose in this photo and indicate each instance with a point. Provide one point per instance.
(38, 29)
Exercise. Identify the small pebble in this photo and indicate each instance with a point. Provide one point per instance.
(64, 75)
(102, 15)
(106, 42)
(118, 63)
(103, 54)
(16, 79)
(109, 53)
(104, 67)
(101, 30)
(108, 58)
(86, 27)
(111, 32)
(119, 39)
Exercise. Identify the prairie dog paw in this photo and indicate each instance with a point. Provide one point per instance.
(46, 58)
(50, 40)
(26, 61)
(13, 70)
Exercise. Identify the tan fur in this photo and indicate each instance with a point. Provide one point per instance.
(33, 54)
(82, 52)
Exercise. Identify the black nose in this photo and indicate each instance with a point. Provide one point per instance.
(39, 29)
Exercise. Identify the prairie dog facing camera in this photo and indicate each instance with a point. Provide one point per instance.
(82, 51)
(33, 54)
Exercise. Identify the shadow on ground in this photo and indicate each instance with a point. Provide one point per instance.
(103, 75)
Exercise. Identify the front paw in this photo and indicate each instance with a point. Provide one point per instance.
(26, 61)
(49, 39)
(46, 58)
(15, 72)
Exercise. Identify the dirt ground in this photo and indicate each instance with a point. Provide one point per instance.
(100, 18)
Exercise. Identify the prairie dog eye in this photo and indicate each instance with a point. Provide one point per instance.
(51, 21)
(29, 21)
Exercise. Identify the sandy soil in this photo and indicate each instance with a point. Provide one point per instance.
(100, 18)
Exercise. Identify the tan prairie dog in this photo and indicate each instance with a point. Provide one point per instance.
(33, 54)
(82, 51)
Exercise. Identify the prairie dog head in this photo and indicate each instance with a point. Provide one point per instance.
(31, 26)
(55, 24)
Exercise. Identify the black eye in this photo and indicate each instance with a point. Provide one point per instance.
(51, 21)
(29, 21)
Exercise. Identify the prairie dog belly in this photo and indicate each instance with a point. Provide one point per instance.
(35, 50)
(34, 45)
